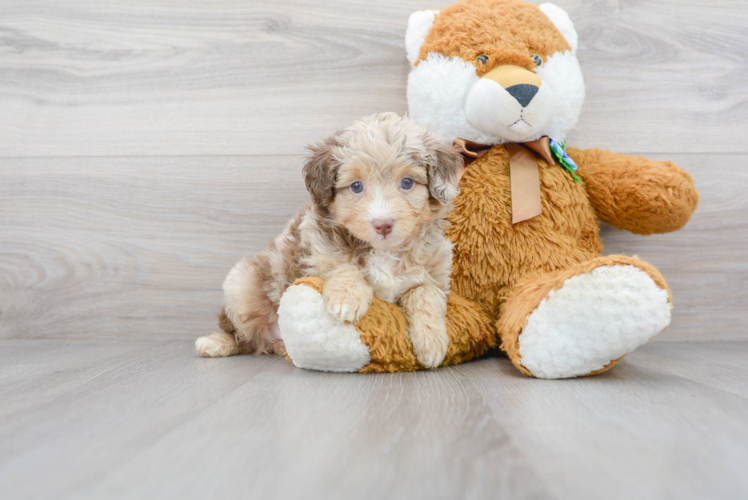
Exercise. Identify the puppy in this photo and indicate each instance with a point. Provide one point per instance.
(380, 190)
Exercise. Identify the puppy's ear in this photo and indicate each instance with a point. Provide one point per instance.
(320, 171)
(443, 169)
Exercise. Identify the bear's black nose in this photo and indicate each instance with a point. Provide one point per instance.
(524, 92)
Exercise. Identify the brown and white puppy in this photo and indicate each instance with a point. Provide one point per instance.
(380, 189)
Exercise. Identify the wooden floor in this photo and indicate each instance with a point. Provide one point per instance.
(102, 419)
(146, 145)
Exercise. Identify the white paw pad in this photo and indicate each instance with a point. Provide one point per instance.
(593, 319)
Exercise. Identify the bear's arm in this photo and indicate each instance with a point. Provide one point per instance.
(635, 193)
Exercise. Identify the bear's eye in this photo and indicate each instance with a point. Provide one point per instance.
(406, 183)
(482, 59)
(538, 60)
(357, 187)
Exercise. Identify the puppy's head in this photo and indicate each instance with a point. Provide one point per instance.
(383, 178)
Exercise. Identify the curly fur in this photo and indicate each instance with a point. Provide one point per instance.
(334, 237)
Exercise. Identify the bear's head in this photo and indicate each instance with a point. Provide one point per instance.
(494, 71)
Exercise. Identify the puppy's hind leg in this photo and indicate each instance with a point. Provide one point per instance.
(219, 344)
(249, 315)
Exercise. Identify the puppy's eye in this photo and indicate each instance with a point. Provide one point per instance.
(482, 59)
(406, 183)
(538, 60)
(357, 187)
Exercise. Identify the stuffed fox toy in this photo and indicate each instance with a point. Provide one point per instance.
(501, 79)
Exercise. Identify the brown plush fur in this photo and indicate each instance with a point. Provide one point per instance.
(504, 30)
(561, 242)
(491, 254)
(635, 193)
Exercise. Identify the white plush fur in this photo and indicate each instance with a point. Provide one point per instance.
(592, 320)
(445, 94)
(439, 87)
(562, 74)
(561, 20)
(419, 24)
(492, 109)
(313, 338)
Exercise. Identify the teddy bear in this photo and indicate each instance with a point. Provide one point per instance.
(501, 80)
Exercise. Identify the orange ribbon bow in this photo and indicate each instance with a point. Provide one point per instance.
(523, 171)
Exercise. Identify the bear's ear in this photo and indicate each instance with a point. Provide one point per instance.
(419, 25)
(560, 19)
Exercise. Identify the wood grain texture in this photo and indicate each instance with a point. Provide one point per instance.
(235, 77)
(143, 419)
(146, 145)
(132, 246)
(93, 247)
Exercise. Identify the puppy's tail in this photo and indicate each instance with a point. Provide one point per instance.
(219, 344)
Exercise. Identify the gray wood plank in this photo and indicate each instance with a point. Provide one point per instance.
(145, 419)
(642, 430)
(101, 247)
(132, 247)
(243, 427)
(719, 371)
(231, 77)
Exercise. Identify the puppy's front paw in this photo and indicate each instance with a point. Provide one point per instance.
(430, 341)
(347, 303)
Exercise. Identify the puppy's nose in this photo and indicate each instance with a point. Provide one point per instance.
(523, 93)
(383, 226)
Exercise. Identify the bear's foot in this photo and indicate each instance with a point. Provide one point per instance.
(582, 320)
(313, 338)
